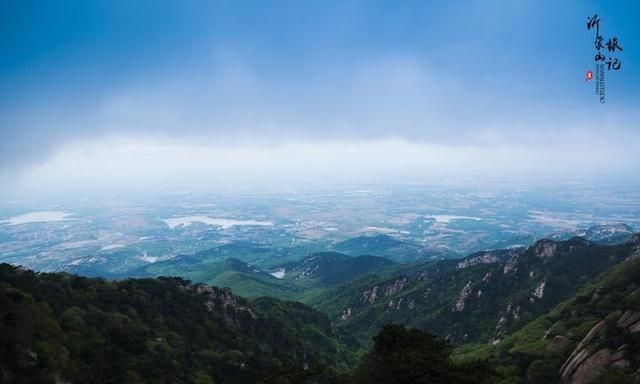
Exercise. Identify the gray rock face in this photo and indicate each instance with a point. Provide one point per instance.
(557, 343)
(483, 258)
(395, 305)
(584, 364)
(592, 366)
(345, 314)
(224, 301)
(511, 314)
(511, 265)
(462, 297)
(539, 291)
(629, 319)
(581, 353)
(395, 287)
(545, 249)
(489, 257)
(369, 296)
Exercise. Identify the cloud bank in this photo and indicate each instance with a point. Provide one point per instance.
(405, 94)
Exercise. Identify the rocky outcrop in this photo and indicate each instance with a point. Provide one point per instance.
(462, 297)
(592, 366)
(542, 249)
(545, 248)
(511, 314)
(488, 257)
(370, 295)
(309, 267)
(395, 287)
(395, 305)
(557, 343)
(588, 360)
(482, 258)
(630, 320)
(580, 354)
(511, 265)
(539, 291)
(222, 300)
(635, 241)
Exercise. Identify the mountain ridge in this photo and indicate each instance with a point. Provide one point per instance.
(479, 298)
(333, 268)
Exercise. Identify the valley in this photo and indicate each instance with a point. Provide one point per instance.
(309, 282)
(558, 311)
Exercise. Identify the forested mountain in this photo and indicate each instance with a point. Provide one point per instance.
(317, 270)
(592, 337)
(333, 268)
(557, 311)
(64, 328)
(480, 298)
(243, 278)
(380, 245)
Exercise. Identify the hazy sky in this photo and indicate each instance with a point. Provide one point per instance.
(203, 92)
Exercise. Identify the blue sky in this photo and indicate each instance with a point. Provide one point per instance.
(461, 78)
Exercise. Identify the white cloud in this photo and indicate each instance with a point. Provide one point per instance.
(147, 163)
(391, 118)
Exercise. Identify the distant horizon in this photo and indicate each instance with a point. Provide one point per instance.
(478, 182)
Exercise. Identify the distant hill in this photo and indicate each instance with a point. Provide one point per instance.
(331, 268)
(317, 270)
(243, 278)
(379, 245)
(601, 234)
